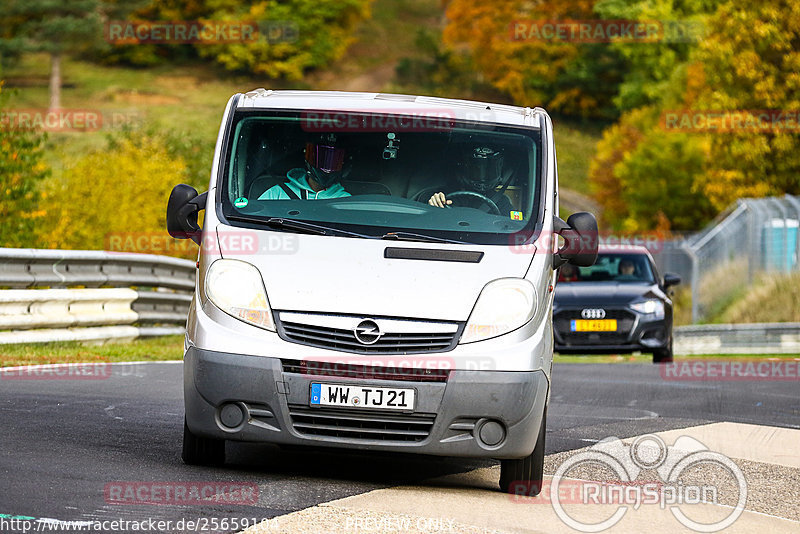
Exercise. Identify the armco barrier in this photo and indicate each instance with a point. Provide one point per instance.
(87, 295)
(126, 295)
(756, 338)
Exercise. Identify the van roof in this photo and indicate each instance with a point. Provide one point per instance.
(426, 106)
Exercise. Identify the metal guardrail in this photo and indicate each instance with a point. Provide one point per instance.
(29, 268)
(88, 295)
(74, 306)
(755, 338)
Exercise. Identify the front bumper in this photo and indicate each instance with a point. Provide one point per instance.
(636, 332)
(493, 414)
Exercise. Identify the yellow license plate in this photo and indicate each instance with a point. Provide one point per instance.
(593, 325)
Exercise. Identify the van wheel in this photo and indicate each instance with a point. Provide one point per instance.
(524, 476)
(663, 355)
(201, 451)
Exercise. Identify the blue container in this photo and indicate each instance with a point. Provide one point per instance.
(779, 244)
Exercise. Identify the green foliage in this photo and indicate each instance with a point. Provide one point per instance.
(54, 27)
(646, 179)
(751, 61)
(437, 69)
(323, 30)
(193, 149)
(294, 35)
(114, 192)
(648, 67)
(21, 170)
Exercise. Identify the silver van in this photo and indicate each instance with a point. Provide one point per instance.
(376, 272)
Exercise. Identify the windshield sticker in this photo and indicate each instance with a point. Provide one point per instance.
(516, 215)
(240, 202)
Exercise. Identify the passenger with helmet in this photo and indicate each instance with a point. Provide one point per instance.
(326, 165)
(479, 174)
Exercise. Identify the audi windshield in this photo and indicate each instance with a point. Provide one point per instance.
(387, 176)
(611, 268)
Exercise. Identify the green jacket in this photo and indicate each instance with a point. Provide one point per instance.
(297, 182)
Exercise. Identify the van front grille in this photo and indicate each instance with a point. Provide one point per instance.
(389, 342)
(361, 425)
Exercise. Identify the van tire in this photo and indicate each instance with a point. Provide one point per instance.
(524, 476)
(663, 355)
(201, 451)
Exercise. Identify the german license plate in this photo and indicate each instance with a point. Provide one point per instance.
(361, 396)
(593, 325)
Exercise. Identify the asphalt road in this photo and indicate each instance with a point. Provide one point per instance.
(62, 441)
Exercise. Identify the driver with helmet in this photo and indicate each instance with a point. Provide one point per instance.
(326, 165)
(479, 171)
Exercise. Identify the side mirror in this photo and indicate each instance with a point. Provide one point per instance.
(671, 280)
(182, 208)
(580, 236)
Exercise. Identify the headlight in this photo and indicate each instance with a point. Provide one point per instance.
(503, 305)
(236, 288)
(650, 306)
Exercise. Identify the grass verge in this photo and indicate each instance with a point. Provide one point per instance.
(146, 349)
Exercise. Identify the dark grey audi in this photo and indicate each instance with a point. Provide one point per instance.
(620, 304)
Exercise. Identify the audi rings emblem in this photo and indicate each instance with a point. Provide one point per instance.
(593, 313)
(367, 332)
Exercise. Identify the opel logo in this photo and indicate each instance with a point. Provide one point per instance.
(367, 332)
(593, 313)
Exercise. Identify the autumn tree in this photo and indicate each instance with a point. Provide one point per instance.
(573, 78)
(57, 28)
(22, 169)
(751, 62)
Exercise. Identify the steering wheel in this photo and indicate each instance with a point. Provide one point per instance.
(473, 195)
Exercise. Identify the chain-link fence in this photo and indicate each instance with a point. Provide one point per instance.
(751, 236)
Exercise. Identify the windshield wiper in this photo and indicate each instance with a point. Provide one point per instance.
(408, 236)
(299, 226)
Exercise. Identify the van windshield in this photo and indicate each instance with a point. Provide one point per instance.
(374, 175)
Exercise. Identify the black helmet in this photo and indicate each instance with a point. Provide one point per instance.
(326, 162)
(481, 169)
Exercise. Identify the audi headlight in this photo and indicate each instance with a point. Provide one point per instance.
(650, 306)
(503, 305)
(236, 288)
